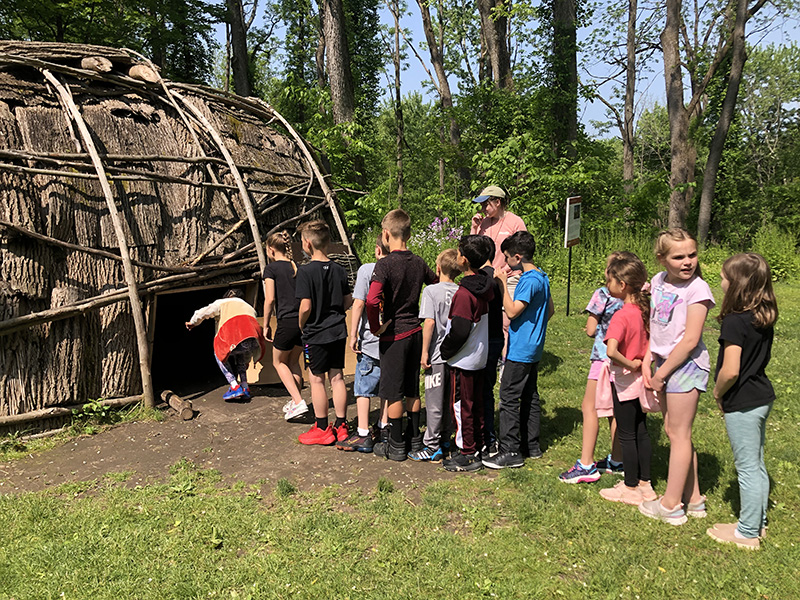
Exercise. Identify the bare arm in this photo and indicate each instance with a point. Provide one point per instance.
(512, 307)
(427, 335)
(695, 319)
(305, 311)
(729, 373)
(551, 308)
(355, 322)
(591, 325)
(617, 357)
(269, 303)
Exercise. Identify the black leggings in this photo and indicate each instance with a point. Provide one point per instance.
(633, 438)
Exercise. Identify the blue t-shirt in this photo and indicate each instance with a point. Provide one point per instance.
(527, 331)
(603, 306)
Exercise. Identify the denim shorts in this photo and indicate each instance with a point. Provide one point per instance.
(368, 376)
(685, 378)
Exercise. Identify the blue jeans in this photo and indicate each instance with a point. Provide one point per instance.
(368, 376)
(746, 431)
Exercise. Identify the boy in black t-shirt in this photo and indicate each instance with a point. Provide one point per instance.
(393, 313)
(324, 296)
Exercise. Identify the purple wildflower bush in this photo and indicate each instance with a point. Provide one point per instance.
(428, 241)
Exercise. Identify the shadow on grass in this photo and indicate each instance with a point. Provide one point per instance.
(549, 363)
(731, 494)
(708, 465)
(563, 422)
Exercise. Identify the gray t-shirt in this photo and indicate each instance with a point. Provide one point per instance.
(369, 343)
(435, 304)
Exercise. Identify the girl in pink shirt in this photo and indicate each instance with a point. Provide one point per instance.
(627, 339)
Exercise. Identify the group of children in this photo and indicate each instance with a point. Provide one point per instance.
(648, 356)
(453, 331)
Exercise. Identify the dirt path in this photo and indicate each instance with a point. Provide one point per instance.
(245, 442)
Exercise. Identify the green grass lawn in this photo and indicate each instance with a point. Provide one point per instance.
(522, 534)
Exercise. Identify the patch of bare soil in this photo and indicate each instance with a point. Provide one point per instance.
(247, 442)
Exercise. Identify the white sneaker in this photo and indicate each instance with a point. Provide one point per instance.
(287, 406)
(295, 410)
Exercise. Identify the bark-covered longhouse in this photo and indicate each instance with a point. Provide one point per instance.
(66, 327)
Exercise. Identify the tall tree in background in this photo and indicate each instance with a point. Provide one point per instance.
(240, 60)
(494, 32)
(703, 57)
(337, 54)
(565, 77)
(394, 8)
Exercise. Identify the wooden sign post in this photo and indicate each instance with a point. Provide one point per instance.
(572, 235)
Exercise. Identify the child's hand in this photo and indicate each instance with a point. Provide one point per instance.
(383, 328)
(268, 333)
(657, 382)
(425, 363)
(637, 364)
(189, 326)
(502, 278)
(354, 344)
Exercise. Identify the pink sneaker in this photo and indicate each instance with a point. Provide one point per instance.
(315, 435)
(648, 493)
(622, 493)
(727, 535)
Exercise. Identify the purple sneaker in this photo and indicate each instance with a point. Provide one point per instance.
(580, 474)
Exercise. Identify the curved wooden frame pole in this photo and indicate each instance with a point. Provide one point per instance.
(72, 113)
(248, 205)
(329, 194)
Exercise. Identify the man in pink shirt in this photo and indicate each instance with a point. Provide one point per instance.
(494, 221)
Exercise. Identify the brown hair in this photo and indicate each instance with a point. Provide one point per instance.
(383, 247)
(749, 288)
(628, 268)
(448, 263)
(674, 234)
(397, 223)
(316, 232)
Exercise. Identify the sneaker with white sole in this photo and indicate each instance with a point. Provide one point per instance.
(463, 462)
(655, 510)
(296, 410)
(427, 454)
(697, 509)
(504, 460)
(606, 465)
(580, 474)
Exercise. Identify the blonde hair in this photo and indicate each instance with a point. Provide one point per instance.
(281, 242)
(750, 288)
(397, 223)
(628, 268)
(317, 232)
(448, 263)
(665, 239)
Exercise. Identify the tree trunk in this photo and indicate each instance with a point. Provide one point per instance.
(494, 26)
(319, 58)
(338, 61)
(241, 63)
(436, 48)
(682, 167)
(726, 116)
(630, 88)
(398, 102)
(565, 74)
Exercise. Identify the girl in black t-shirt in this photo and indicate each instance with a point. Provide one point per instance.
(743, 391)
(279, 283)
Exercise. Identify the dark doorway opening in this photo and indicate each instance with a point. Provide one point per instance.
(182, 360)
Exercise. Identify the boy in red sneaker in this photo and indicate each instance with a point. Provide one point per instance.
(324, 296)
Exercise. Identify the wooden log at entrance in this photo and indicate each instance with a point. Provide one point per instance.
(183, 407)
(136, 305)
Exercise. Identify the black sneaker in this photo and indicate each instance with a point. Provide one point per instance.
(397, 453)
(416, 444)
(463, 462)
(357, 443)
(503, 460)
(491, 450)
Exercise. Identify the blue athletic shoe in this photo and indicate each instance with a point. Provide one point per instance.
(605, 465)
(234, 393)
(580, 474)
(428, 454)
